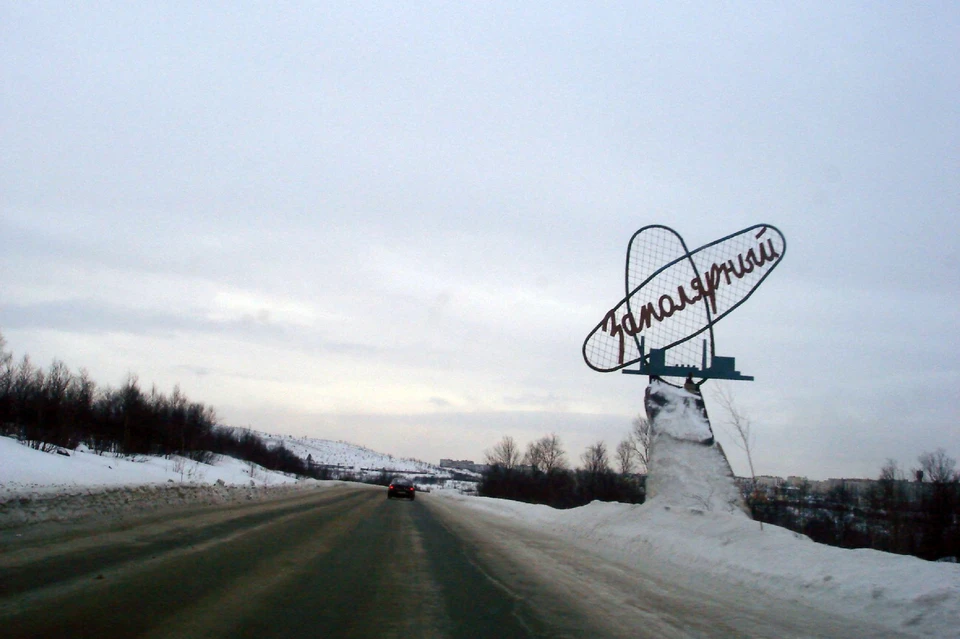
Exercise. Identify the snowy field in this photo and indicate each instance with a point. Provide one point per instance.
(908, 595)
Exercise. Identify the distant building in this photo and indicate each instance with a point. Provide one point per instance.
(769, 481)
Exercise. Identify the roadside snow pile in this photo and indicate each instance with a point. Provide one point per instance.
(24, 469)
(721, 550)
(683, 471)
(691, 531)
(37, 486)
(78, 504)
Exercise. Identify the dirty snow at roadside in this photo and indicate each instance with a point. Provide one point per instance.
(693, 531)
(906, 594)
(38, 486)
(25, 470)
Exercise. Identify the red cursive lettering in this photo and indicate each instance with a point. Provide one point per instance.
(704, 288)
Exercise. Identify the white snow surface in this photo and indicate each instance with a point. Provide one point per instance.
(680, 418)
(683, 472)
(38, 486)
(25, 470)
(350, 456)
(906, 594)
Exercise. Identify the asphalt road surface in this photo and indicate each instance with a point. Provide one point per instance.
(347, 562)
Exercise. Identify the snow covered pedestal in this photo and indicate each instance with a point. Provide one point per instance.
(687, 467)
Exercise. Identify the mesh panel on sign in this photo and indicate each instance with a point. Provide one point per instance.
(664, 315)
(673, 297)
(733, 265)
(608, 351)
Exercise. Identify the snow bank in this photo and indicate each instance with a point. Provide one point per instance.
(25, 470)
(679, 417)
(692, 529)
(727, 550)
(38, 487)
(122, 501)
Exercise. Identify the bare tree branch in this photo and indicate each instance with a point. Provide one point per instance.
(641, 440)
(553, 457)
(595, 459)
(738, 421)
(505, 453)
(625, 455)
(938, 467)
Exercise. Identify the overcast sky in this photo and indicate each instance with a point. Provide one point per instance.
(395, 224)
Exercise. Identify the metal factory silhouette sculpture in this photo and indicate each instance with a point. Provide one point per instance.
(674, 295)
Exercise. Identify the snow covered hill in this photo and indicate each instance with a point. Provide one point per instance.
(350, 456)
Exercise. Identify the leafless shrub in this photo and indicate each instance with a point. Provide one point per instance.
(641, 441)
(625, 455)
(505, 453)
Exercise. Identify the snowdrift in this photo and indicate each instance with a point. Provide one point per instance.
(694, 527)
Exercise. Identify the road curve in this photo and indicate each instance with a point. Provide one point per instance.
(347, 562)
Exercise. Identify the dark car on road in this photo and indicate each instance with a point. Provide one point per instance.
(401, 487)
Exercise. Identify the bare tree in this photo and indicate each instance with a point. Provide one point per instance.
(889, 484)
(505, 453)
(534, 456)
(546, 454)
(59, 418)
(938, 467)
(6, 365)
(21, 390)
(625, 456)
(743, 438)
(6, 386)
(739, 424)
(57, 381)
(641, 440)
(554, 457)
(595, 459)
(890, 471)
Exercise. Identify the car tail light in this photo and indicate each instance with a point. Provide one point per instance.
(391, 487)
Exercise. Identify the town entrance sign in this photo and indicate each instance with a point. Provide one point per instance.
(673, 295)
